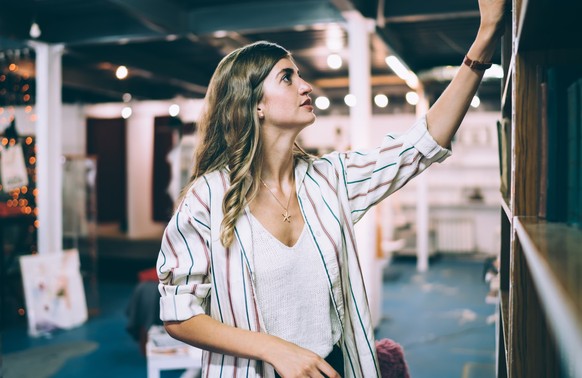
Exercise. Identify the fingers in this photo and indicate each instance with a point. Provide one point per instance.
(327, 370)
(318, 368)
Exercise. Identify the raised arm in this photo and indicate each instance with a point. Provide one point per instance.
(445, 116)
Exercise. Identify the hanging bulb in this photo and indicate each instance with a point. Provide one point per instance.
(35, 31)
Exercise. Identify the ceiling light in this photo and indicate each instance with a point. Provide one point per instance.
(334, 61)
(35, 31)
(412, 98)
(334, 37)
(220, 34)
(126, 112)
(381, 100)
(121, 72)
(322, 102)
(174, 110)
(350, 100)
(402, 71)
(475, 102)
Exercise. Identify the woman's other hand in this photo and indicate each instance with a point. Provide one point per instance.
(292, 361)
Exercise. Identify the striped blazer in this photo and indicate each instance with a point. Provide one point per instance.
(198, 275)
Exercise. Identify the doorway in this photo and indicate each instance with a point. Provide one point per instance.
(106, 139)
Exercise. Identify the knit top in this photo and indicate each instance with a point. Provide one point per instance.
(292, 291)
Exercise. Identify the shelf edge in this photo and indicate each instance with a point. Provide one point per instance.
(506, 209)
(504, 320)
(560, 313)
(507, 81)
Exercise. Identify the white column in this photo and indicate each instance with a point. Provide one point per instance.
(360, 130)
(49, 147)
(422, 218)
(140, 157)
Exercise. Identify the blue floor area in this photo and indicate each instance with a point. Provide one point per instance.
(439, 317)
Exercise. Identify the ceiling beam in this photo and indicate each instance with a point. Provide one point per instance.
(90, 31)
(375, 81)
(424, 17)
(9, 44)
(262, 16)
(155, 19)
(96, 82)
(343, 5)
(161, 16)
(78, 79)
(153, 67)
(423, 7)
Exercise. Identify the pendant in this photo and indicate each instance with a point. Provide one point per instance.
(286, 217)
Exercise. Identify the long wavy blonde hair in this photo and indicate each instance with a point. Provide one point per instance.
(229, 127)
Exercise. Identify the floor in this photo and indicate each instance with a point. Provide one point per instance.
(439, 317)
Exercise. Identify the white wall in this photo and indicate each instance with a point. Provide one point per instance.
(474, 161)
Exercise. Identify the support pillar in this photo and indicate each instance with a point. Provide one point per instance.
(422, 217)
(49, 164)
(359, 29)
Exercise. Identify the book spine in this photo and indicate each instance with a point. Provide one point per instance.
(543, 135)
(573, 209)
(579, 167)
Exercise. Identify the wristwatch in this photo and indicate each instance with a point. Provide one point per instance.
(475, 64)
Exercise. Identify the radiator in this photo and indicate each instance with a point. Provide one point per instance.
(455, 235)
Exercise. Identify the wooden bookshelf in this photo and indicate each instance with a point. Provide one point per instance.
(540, 322)
(552, 252)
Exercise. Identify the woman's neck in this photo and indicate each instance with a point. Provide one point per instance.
(278, 160)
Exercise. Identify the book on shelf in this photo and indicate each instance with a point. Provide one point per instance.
(504, 149)
(579, 82)
(574, 162)
(557, 142)
(543, 146)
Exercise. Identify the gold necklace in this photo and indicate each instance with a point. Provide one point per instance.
(285, 215)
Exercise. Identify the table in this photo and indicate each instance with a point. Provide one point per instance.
(165, 353)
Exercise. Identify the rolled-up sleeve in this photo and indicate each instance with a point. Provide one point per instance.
(183, 261)
(371, 176)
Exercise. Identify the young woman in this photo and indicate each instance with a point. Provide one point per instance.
(259, 265)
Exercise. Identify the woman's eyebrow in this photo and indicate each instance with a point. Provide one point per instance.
(289, 71)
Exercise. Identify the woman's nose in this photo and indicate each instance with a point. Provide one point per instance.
(305, 88)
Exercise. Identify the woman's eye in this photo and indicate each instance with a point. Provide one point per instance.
(287, 78)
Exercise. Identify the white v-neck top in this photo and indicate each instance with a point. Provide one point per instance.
(297, 308)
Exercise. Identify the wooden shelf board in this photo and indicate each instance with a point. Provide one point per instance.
(552, 252)
(506, 208)
(504, 306)
(507, 85)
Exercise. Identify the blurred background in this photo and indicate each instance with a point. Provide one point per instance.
(102, 96)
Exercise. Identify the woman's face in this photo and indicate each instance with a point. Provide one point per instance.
(286, 102)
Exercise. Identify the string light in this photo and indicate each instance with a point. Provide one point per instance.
(121, 72)
(334, 61)
(174, 110)
(350, 100)
(17, 89)
(381, 100)
(412, 98)
(322, 102)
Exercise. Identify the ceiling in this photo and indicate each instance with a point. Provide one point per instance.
(171, 47)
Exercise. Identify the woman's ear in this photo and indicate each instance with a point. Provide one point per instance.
(260, 113)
